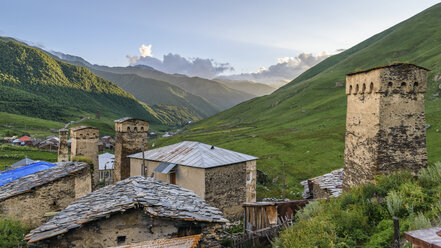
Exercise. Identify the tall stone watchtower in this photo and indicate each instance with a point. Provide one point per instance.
(130, 134)
(85, 144)
(385, 122)
(63, 146)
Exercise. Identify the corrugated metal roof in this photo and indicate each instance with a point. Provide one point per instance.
(105, 161)
(21, 163)
(195, 154)
(183, 242)
(164, 167)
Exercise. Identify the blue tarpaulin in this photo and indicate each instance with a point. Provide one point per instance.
(11, 175)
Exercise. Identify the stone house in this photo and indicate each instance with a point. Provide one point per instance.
(31, 197)
(324, 186)
(224, 179)
(133, 210)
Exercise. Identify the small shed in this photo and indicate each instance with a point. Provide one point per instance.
(261, 215)
(425, 238)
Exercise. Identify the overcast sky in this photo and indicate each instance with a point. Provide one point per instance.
(244, 35)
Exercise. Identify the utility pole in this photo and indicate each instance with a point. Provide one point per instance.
(143, 158)
(284, 178)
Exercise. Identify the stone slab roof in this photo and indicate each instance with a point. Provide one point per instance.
(155, 197)
(82, 127)
(184, 242)
(386, 66)
(127, 119)
(331, 182)
(425, 238)
(26, 183)
(194, 154)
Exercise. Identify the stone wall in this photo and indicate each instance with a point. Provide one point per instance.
(31, 206)
(85, 144)
(251, 174)
(225, 188)
(385, 123)
(130, 135)
(133, 226)
(63, 146)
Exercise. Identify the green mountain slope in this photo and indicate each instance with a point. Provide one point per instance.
(303, 123)
(257, 89)
(154, 92)
(36, 85)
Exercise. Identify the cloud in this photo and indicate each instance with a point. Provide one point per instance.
(285, 70)
(146, 51)
(175, 63)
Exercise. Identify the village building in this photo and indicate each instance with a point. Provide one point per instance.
(29, 197)
(324, 186)
(130, 137)
(10, 175)
(183, 242)
(425, 238)
(106, 161)
(85, 144)
(224, 179)
(108, 142)
(134, 210)
(63, 146)
(385, 122)
(385, 128)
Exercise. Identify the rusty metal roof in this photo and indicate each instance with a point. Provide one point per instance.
(425, 238)
(386, 66)
(194, 154)
(183, 242)
(156, 198)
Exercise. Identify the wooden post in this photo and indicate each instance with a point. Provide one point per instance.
(143, 159)
(396, 243)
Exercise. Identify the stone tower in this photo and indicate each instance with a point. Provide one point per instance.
(63, 147)
(85, 144)
(130, 134)
(385, 122)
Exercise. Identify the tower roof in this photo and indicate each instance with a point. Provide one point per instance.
(128, 119)
(386, 66)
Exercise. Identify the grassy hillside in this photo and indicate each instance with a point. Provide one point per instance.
(154, 92)
(303, 123)
(257, 89)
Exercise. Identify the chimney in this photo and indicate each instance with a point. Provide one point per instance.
(130, 135)
(63, 147)
(85, 144)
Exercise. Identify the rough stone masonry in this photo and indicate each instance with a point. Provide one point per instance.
(85, 144)
(385, 122)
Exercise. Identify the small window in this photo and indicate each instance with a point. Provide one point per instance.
(350, 89)
(142, 129)
(389, 84)
(121, 239)
(128, 129)
(371, 87)
(356, 89)
(364, 88)
(415, 86)
(135, 129)
(403, 87)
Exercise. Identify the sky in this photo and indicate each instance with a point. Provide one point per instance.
(234, 36)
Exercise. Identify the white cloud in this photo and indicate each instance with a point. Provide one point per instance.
(146, 51)
(175, 63)
(286, 69)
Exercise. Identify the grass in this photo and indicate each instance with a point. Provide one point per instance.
(303, 123)
(362, 217)
(10, 154)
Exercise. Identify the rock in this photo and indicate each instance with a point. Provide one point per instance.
(436, 94)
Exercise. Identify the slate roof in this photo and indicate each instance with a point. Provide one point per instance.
(194, 154)
(183, 242)
(82, 127)
(386, 66)
(430, 237)
(331, 182)
(155, 197)
(17, 173)
(42, 177)
(127, 119)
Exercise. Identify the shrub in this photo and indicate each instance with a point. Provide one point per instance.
(12, 232)
(394, 203)
(312, 209)
(82, 159)
(419, 221)
(431, 176)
